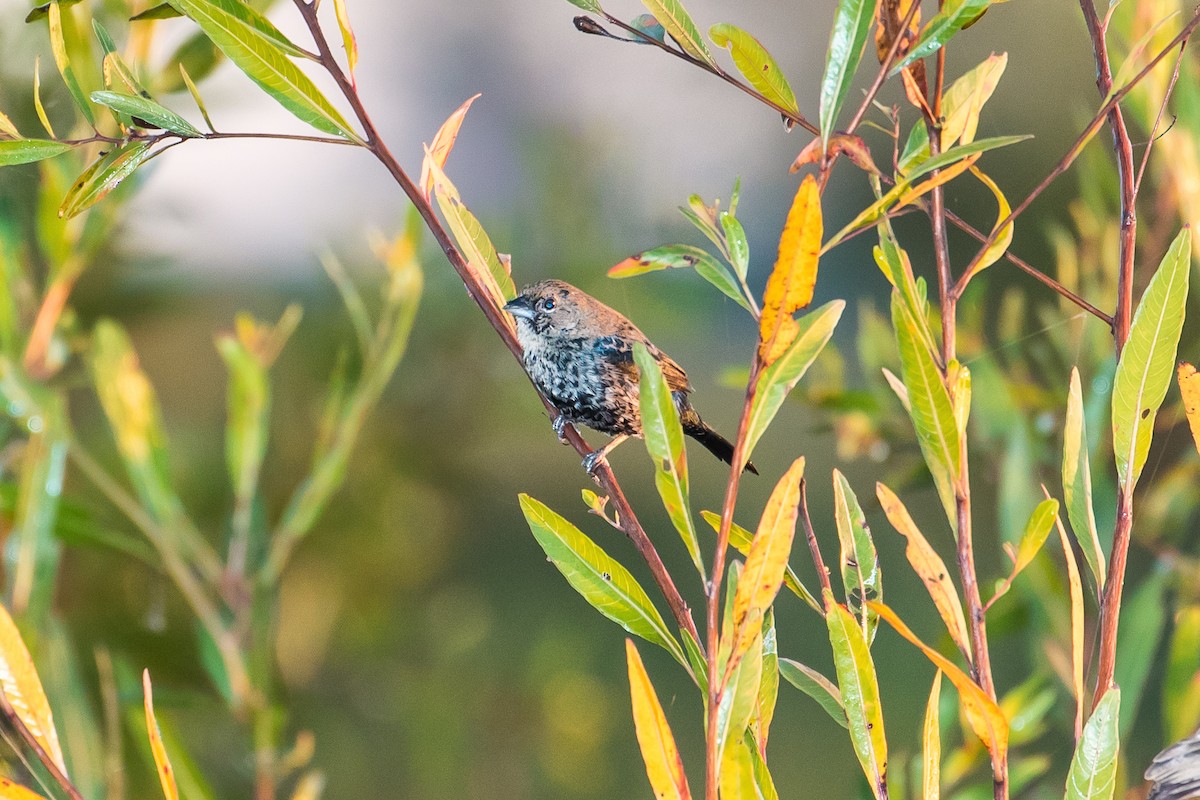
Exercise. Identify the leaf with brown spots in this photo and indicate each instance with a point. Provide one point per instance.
(15, 791)
(162, 764)
(790, 287)
(1189, 387)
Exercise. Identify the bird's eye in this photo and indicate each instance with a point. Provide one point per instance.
(548, 305)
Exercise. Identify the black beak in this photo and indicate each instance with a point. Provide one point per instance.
(519, 307)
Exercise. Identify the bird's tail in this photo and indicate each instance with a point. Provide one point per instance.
(714, 442)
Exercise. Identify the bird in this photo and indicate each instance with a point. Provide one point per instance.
(579, 354)
(1175, 772)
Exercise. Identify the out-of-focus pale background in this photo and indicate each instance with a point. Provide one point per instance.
(425, 639)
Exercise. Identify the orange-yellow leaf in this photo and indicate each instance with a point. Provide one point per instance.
(664, 767)
(348, 39)
(166, 774)
(23, 689)
(929, 566)
(1076, 624)
(15, 791)
(443, 143)
(947, 174)
(766, 563)
(984, 716)
(790, 287)
(1189, 387)
(931, 743)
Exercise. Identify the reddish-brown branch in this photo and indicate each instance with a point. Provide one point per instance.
(813, 547)
(604, 475)
(18, 724)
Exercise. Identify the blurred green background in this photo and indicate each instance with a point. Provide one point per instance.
(424, 639)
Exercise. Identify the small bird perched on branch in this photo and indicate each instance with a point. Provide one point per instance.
(579, 353)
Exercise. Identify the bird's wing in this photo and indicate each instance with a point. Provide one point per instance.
(618, 350)
(1175, 771)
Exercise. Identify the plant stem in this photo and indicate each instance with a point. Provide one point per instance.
(713, 590)
(18, 724)
(813, 547)
(495, 317)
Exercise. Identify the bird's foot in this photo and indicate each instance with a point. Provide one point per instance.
(560, 428)
(593, 460)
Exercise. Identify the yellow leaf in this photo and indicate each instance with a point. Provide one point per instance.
(348, 39)
(1076, 624)
(15, 791)
(931, 746)
(767, 562)
(443, 143)
(664, 767)
(23, 689)
(790, 287)
(1189, 387)
(984, 716)
(996, 249)
(166, 774)
(945, 175)
(929, 566)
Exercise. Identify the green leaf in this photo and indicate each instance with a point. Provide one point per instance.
(160, 11)
(248, 409)
(473, 239)
(681, 256)
(739, 246)
(813, 332)
(768, 687)
(859, 564)
(738, 701)
(755, 64)
(930, 407)
(961, 106)
(851, 24)
(43, 11)
(145, 109)
(264, 59)
(664, 442)
(1181, 688)
(62, 60)
(816, 686)
(602, 581)
(1077, 482)
(26, 151)
(860, 694)
(587, 5)
(1093, 774)
(1148, 360)
(103, 176)
(672, 16)
(1036, 531)
(953, 17)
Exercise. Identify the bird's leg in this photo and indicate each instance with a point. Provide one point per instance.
(560, 425)
(594, 458)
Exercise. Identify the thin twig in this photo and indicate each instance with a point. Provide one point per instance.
(813, 546)
(884, 68)
(18, 724)
(604, 474)
(1162, 108)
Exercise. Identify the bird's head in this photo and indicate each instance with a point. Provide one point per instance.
(551, 309)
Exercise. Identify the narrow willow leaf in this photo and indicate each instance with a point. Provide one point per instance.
(587, 5)
(1147, 360)
(790, 286)
(739, 698)
(443, 143)
(602, 581)
(984, 716)
(160, 11)
(195, 93)
(756, 64)
(739, 246)
(994, 251)
(664, 767)
(472, 239)
(1037, 529)
(166, 774)
(768, 687)
(22, 687)
(765, 565)
(961, 106)
(103, 176)
(348, 40)
(860, 694)
(1077, 482)
(931, 744)
(813, 332)
(929, 567)
(1076, 588)
(1189, 388)
(15, 791)
(740, 540)
(851, 24)
(240, 36)
(859, 563)
(953, 17)
(816, 686)
(672, 16)
(37, 99)
(664, 442)
(248, 409)
(145, 109)
(1093, 774)
(7, 127)
(58, 47)
(26, 151)
(681, 256)
(737, 773)
(931, 411)
(1181, 687)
